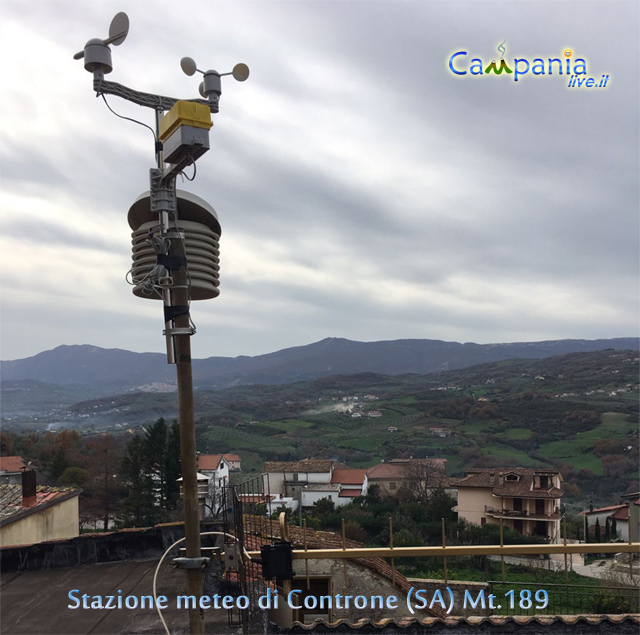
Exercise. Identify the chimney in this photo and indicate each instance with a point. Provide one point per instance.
(591, 506)
(29, 488)
(492, 478)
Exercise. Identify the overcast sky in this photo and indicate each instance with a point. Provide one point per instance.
(364, 190)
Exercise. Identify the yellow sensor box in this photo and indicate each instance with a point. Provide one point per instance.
(186, 113)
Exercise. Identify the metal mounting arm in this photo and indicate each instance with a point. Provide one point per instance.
(148, 100)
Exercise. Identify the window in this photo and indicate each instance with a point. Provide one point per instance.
(320, 588)
(544, 481)
(483, 521)
(511, 477)
(295, 478)
(393, 485)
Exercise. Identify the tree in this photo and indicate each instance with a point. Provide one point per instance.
(104, 489)
(139, 505)
(155, 458)
(423, 477)
(151, 469)
(598, 537)
(323, 507)
(614, 528)
(72, 477)
(174, 465)
(586, 529)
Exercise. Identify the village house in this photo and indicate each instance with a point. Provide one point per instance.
(390, 477)
(439, 431)
(11, 468)
(615, 521)
(216, 468)
(31, 514)
(307, 481)
(525, 500)
(288, 478)
(327, 578)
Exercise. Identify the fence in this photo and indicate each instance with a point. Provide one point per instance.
(245, 516)
(531, 598)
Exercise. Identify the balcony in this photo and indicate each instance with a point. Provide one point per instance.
(521, 514)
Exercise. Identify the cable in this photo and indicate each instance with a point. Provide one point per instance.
(129, 118)
(184, 249)
(164, 555)
(193, 163)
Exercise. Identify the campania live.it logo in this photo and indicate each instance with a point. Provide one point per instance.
(575, 69)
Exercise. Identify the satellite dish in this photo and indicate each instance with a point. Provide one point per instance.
(119, 29)
(240, 72)
(201, 90)
(188, 65)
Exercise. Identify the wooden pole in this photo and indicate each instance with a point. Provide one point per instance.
(393, 562)
(502, 545)
(180, 297)
(444, 545)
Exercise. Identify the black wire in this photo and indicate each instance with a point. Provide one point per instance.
(193, 176)
(129, 118)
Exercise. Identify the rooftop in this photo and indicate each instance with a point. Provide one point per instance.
(11, 508)
(209, 461)
(11, 464)
(611, 508)
(305, 465)
(348, 477)
(523, 487)
(399, 468)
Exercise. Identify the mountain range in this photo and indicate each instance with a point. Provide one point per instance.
(121, 370)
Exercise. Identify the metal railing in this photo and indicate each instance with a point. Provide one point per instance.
(519, 598)
(246, 517)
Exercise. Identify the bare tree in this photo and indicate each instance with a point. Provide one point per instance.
(423, 477)
(216, 495)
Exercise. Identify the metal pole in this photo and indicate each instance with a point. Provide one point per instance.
(459, 550)
(164, 225)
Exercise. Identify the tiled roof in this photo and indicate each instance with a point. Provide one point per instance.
(397, 468)
(324, 540)
(490, 478)
(322, 487)
(11, 500)
(209, 461)
(348, 477)
(256, 498)
(350, 493)
(579, 624)
(306, 465)
(11, 464)
(621, 514)
(232, 457)
(611, 508)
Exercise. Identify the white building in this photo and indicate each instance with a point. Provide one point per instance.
(215, 467)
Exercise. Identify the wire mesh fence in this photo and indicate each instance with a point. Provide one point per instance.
(245, 512)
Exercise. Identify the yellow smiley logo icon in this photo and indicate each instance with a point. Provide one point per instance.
(567, 53)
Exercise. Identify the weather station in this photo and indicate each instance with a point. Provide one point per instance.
(175, 244)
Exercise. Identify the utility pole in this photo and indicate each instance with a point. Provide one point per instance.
(169, 228)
